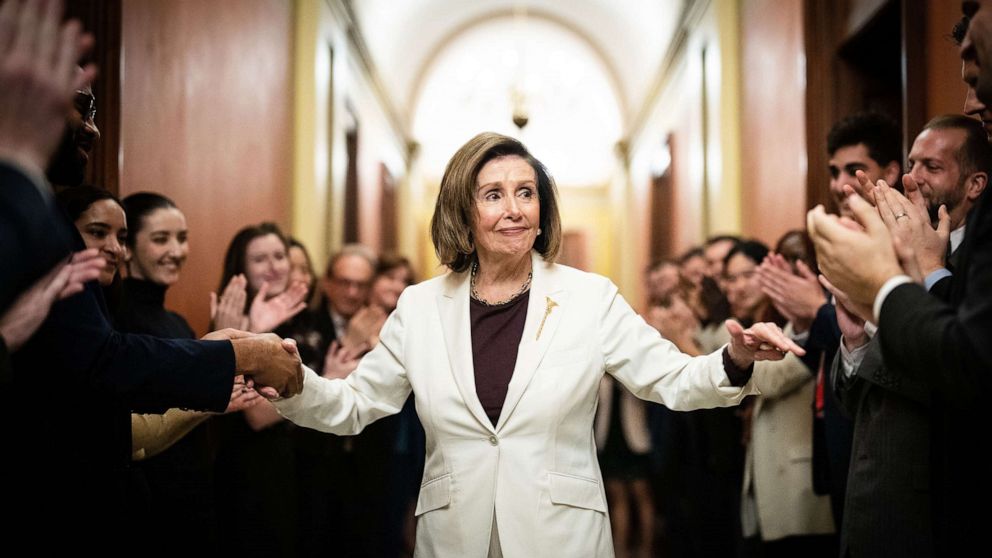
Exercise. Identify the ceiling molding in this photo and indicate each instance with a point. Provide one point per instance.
(692, 13)
(343, 13)
(428, 62)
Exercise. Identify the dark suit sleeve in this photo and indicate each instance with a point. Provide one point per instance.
(29, 245)
(824, 337)
(846, 390)
(76, 349)
(873, 370)
(5, 374)
(942, 289)
(949, 346)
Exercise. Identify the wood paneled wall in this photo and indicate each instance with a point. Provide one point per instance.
(102, 19)
(944, 89)
(206, 120)
(773, 115)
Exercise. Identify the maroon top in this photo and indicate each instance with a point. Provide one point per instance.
(496, 333)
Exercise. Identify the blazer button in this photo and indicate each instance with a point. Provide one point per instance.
(493, 440)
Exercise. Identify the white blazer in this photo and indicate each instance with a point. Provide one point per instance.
(536, 470)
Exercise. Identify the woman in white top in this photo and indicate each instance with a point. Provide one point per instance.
(504, 355)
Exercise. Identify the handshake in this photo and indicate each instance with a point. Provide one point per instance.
(272, 362)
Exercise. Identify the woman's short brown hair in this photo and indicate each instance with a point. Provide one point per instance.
(451, 225)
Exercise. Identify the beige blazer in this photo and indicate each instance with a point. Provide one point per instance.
(778, 469)
(536, 471)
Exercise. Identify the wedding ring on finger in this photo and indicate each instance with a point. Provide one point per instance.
(901, 215)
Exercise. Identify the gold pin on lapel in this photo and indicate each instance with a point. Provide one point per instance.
(547, 312)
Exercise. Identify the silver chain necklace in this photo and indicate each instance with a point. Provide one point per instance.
(475, 294)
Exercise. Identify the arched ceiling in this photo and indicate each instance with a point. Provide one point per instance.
(498, 69)
(404, 37)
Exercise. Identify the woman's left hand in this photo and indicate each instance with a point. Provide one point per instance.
(762, 341)
(267, 314)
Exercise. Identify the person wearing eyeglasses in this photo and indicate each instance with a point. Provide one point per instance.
(67, 435)
(80, 136)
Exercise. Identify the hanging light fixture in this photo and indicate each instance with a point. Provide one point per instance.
(518, 98)
(520, 115)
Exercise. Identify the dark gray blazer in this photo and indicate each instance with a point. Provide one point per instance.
(887, 509)
(946, 341)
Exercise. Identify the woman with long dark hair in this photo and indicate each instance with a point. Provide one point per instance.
(259, 296)
(175, 447)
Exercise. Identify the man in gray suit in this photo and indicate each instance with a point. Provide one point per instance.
(888, 508)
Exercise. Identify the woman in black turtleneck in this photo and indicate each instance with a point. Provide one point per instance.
(180, 479)
(158, 248)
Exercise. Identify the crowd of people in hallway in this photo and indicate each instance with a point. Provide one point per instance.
(124, 425)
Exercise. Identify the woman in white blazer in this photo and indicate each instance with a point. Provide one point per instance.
(504, 355)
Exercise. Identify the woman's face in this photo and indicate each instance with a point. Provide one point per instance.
(694, 269)
(160, 247)
(266, 261)
(386, 288)
(507, 210)
(104, 227)
(743, 288)
(299, 267)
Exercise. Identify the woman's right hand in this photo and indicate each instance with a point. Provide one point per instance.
(363, 329)
(229, 310)
(19, 322)
(339, 361)
(761, 341)
(677, 323)
(266, 314)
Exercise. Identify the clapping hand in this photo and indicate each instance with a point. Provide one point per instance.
(677, 323)
(363, 329)
(28, 311)
(266, 313)
(229, 310)
(796, 295)
(340, 361)
(857, 262)
(38, 57)
(908, 219)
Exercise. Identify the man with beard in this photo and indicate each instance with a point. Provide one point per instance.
(941, 344)
(891, 465)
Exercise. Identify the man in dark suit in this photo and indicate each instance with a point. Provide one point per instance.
(870, 143)
(942, 344)
(76, 380)
(950, 162)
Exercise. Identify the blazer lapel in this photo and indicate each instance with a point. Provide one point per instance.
(544, 311)
(453, 306)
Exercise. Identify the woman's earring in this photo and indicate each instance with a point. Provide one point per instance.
(538, 232)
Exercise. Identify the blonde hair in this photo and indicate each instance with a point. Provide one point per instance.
(451, 225)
